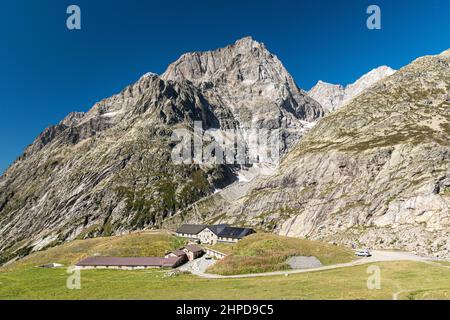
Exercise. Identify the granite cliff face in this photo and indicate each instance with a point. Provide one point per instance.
(333, 96)
(252, 83)
(109, 171)
(375, 173)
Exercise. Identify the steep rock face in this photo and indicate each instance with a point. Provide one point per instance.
(333, 96)
(375, 172)
(330, 96)
(252, 83)
(109, 170)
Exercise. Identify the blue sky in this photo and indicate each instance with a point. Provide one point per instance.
(47, 71)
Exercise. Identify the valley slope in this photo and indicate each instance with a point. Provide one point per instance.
(374, 173)
(109, 171)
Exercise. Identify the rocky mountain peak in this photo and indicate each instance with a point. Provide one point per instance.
(247, 60)
(248, 44)
(250, 81)
(333, 96)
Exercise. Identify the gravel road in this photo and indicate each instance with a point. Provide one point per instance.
(377, 256)
(302, 262)
(198, 266)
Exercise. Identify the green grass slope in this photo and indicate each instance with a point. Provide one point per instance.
(140, 244)
(413, 280)
(263, 252)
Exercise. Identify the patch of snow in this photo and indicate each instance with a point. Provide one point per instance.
(308, 125)
(149, 74)
(242, 178)
(248, 82)
(111, 114)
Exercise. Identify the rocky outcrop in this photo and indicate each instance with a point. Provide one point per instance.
(333, 96)
(252, 83)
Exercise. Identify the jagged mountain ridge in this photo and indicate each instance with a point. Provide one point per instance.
(108, 171)
(374, 173)
(333, 96)
(245, 78)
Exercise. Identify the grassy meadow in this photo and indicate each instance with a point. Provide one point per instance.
(140, 244)
(413, 280)
(24, 280)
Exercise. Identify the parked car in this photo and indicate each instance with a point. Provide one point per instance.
(208, 257)
(363, 253)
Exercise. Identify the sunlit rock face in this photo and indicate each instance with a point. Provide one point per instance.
(253, 84)
(333, 96)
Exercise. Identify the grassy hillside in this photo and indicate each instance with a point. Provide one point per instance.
(264, 252)
(132, 245)
(414, 280)
(23, 280)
